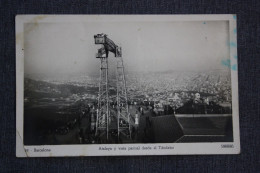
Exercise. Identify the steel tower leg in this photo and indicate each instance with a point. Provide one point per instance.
(124, 121)
(102, 124)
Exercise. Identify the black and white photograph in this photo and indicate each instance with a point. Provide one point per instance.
(126, 85)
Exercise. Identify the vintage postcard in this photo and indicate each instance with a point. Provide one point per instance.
(107, 85)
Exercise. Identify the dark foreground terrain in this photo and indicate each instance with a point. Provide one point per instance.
(50, 126)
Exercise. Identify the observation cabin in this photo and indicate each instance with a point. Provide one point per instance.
(108, 46)
(100, 38)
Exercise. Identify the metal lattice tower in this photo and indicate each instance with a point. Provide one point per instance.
(123, 116)
(107, 117)
(103, 99)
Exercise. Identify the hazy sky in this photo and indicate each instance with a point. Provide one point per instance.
(69, 48)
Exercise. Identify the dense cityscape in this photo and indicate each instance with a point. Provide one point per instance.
(66, 102)
(142, 87)
(180, 86)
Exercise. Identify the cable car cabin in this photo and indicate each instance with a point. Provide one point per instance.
(100, 38)
(101, 53)
(108, 46)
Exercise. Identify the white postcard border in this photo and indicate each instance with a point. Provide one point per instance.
(130, 149)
